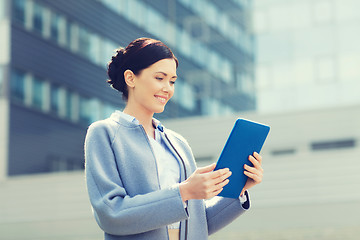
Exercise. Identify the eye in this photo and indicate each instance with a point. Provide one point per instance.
(172, 82)
(159, 78)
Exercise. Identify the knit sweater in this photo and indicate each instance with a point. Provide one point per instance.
(124, 190)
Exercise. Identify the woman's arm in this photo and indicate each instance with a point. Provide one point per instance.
(116, 212)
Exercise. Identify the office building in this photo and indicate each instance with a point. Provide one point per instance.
(53, 69)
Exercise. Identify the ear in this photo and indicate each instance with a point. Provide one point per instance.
(129, 77)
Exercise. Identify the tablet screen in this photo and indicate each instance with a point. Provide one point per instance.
(245, 138)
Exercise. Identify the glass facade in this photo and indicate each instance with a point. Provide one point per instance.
(307, 54)
(192, 38)
(63, 103)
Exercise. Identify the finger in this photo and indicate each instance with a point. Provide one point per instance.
(206, 169)
(254, 161)
(221, 182)
(218, 173)
(253, 176)
(256, 175)
(217, 192)
(253, 170)
(258, 157)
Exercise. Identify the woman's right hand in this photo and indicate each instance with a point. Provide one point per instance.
(204, 183)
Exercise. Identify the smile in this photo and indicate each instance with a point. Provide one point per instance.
(161, 99)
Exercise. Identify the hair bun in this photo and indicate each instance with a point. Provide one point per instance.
(118, 57)
(114, 72)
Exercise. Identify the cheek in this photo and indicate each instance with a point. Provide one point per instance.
(172, 92)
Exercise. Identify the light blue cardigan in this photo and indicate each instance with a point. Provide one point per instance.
(124, 190)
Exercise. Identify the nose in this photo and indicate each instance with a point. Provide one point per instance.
(166, 86)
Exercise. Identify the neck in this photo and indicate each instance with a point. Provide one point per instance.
(144, 118)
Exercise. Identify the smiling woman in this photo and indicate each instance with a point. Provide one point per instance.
(141, 177)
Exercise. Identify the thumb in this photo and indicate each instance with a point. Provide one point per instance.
(206, 169)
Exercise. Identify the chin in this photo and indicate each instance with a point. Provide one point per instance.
(159, 110)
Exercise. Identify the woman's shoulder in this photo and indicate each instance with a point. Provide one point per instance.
(103, 127)
(103, 124)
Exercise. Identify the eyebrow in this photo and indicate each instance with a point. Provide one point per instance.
(166, 74)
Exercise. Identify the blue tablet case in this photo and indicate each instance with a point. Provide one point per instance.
(245, 138)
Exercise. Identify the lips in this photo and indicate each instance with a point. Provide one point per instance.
(162, 99)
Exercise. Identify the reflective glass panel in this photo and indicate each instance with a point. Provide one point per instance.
(55, 27)
(18, 85)
(37, 93)
(19, 11)
(54, 99)
(38, 18)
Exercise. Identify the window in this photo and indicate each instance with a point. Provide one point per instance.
(260, 21)
(154, 22)
(55, 99)
(184, 42)
(38, 18)
(55, 27)
(211, 14)
(108, 50)
(280, 152)
(347, 10)
(246, 84)
(84, 111)
(19, 11)
(107, 110)
(326, 68)
(89, 110)
(226, 70)
(263, 77)
(73, 37)
(210, 106)
(37, 93)
(62, 31)
(18, 85)
(94, 54)
(349, 67)
(84, 42)
(136, 12)
(119, 6)
(224, 23)
(322, 11)
(300, 17)
(346, 143)
(184, 94)
(213, 62)
(69, 105)
(67, 33)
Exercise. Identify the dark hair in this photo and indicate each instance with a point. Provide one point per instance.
(138, 55)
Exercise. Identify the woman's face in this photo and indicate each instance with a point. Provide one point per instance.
(154, 86)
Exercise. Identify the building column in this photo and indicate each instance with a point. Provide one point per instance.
(5, 39)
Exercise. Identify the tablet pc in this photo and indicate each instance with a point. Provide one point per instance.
(245, 138)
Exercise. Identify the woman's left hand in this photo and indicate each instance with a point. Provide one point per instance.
(255, 173)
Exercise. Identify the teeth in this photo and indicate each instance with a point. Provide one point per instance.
(161, 99)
